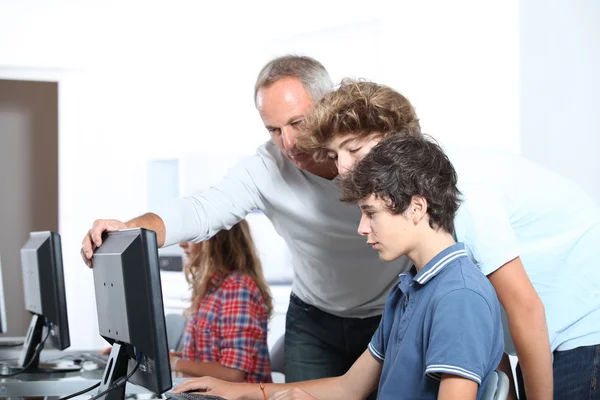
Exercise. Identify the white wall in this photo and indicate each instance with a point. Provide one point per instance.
(140, 81)
(560, 87)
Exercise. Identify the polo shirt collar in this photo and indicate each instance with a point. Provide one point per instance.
(437, 264)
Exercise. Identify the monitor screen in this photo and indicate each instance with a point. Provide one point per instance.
(44, 292)
(130, 307)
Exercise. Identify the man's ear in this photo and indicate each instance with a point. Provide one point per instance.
(418, 208)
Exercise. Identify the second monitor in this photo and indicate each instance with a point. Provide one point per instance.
(45, 298)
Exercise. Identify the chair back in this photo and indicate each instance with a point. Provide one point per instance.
(277, 355)
(175, 330)
(497, 387)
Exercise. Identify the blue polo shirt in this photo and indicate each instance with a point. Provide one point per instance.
(443, 320)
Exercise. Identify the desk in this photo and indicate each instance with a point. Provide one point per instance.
(31, 385)
(8, 354)
(8, 341)
(56, 384)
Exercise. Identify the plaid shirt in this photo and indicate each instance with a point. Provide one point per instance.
(230, 327)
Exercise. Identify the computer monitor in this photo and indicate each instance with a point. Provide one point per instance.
(130, 310)
(45, 298)
(3, 327)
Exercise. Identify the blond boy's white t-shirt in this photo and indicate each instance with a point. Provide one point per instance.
(515, 208)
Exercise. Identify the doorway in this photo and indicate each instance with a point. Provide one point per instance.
(28, 181)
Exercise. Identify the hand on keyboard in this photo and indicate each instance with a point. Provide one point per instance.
(100, 359)
(218, 389)
(191, 396)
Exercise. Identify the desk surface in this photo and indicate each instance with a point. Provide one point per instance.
(55, 384)
(11, 340)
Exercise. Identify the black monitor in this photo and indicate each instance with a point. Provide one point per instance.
(45, 298)
(130, 311)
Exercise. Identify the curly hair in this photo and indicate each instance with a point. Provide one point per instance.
(400, 167)
(357, 107)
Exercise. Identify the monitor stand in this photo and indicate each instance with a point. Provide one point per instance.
(28, 355)
(116, 368)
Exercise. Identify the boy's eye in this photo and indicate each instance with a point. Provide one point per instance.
(332, 156)
(354, 150)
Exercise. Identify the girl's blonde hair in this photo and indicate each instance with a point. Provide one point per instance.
(228, 251)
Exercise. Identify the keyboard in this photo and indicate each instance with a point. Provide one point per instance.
(191, 396)
(99, 359)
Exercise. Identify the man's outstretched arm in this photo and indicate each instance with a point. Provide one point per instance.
(197, 217)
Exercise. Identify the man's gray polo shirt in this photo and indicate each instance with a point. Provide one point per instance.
(443, 320)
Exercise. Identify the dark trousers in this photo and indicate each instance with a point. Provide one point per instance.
(576, 374)
(321, 345)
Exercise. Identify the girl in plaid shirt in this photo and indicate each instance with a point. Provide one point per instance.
(226, 334)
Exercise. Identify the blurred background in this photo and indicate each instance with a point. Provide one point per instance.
(108, 108)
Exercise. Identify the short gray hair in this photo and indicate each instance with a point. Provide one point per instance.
(310, 72)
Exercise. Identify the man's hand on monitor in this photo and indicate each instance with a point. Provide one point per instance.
(93, 238)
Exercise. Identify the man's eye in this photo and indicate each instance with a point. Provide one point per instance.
(298, 124)
(354, 150)
(332, 156)
(274, 131)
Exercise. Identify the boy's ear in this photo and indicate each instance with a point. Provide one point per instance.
(418, 208)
